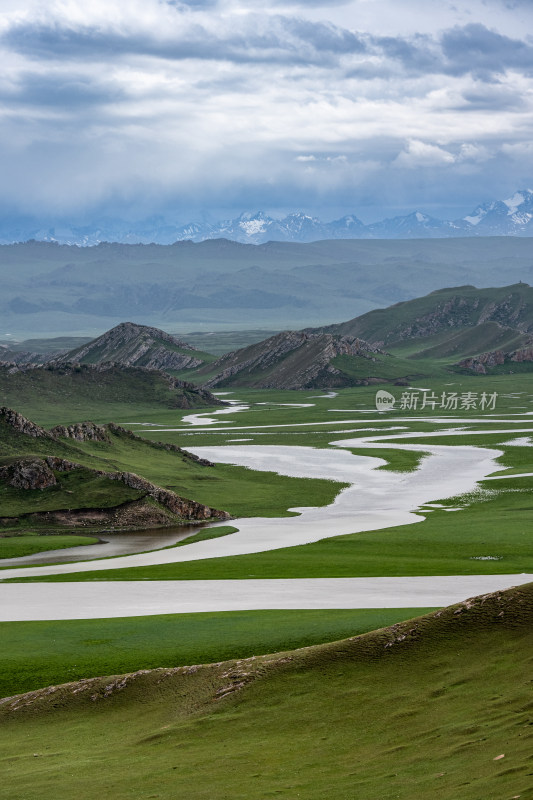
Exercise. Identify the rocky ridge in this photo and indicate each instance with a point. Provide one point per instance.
(21, 424)
(289, 360)
(483, 363)
(132, 345)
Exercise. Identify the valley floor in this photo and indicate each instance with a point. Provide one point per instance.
(434, 707)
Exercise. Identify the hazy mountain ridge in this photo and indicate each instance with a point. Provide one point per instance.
(51, 289)
(511, 217)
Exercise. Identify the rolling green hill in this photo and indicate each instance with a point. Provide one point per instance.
(48, 481)
(438, 706)
(446, 310)
(70, 392)
(450, 330)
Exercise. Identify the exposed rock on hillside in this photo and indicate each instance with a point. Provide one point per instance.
(13, 357)
(40, 473)
(484, 362)
(181, 507)
(134, 345)
(22, 425)
(82, 432)
(289, 360)
(481, 363)
(28, 473)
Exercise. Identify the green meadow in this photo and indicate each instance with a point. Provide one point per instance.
(436, 707)
(26, 544)
(490, 534)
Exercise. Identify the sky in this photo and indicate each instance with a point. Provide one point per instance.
(207, 108)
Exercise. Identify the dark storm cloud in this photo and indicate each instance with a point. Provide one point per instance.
(278, 40)
(476, 48)
(459, 51)
(493, 98)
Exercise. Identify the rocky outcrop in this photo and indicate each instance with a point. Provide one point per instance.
(482, 364)
(28, 473)
(132, 345)
(14, 357)
(522, 354)
(22, 425)
(185, 509)
(81, 432)
(39, 473)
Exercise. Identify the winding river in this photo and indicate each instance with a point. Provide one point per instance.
(374, 499)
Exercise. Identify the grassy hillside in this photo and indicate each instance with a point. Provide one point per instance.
(69, 393)
(433, 707)
(420, 338)
(243, 492)
(455, 308)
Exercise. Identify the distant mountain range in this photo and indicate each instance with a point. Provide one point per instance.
(511, 217)
(50, 289)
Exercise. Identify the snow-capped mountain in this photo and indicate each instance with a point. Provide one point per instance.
(511, 217)
(413, 226)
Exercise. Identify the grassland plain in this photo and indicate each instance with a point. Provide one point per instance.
(25, 544)
(491, 534)
(439, 706)
(496, 525)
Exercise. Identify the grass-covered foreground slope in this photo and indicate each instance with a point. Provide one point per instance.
(38, 654)
(439, 706)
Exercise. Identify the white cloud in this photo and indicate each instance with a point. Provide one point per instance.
(421, 154)
(108, 101)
